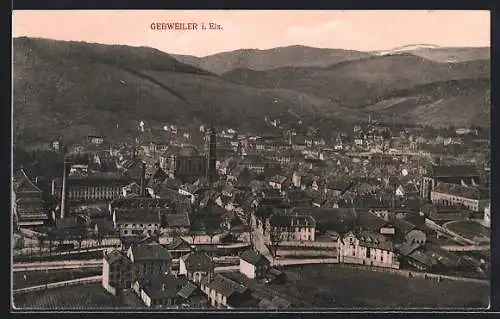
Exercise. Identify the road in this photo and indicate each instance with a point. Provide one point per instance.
(258, 239)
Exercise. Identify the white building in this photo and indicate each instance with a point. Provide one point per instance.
(293, 227)
(487, 216)
(253, 264)
(367, 249)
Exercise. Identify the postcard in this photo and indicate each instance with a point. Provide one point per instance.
(217, 160)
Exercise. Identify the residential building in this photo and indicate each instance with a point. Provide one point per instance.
(408, 232)
(137, 222)
(161, 291)
(293, 227)
(223, 292)
(455, 174)
(149, 259)
(253, 264)
(474, 198)
(178, 247)
(368, 249)
(196, 266)
(116, 272)
(28, 205)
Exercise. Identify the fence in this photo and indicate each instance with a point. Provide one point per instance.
(73, 282)
(465, 248)
(289, 262)
(416, 274)
(46, 254)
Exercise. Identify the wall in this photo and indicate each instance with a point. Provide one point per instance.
(74, 282)
(182, 267)
(105, 278)
(247, 269)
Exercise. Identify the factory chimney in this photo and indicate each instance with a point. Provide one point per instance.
(143, 176)
(64, 191)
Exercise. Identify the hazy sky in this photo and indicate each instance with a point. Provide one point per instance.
(357, 30)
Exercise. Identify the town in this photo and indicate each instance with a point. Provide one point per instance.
(214, 218)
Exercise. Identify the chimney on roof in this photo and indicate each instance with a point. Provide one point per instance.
(143, 176)
(163, 287)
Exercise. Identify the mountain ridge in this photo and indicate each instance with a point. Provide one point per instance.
(65, 88)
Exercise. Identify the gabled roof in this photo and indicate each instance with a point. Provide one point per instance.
(462, 191)
(402, 225)
(160, 287)
(226, 286)
(152, 251)
(454, 171)
(114, 256)
(369, 221)
(253, 257)
(198, 261)
(406, 249)
(177, 220)
(281, 220)
(372, 240)
(144, 216)
(423, 258)
(188, 290)
(178, 244)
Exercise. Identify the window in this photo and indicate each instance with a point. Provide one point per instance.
(354, 253)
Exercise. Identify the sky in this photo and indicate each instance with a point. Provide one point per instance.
(244, 29)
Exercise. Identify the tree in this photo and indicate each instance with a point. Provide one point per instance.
(41, 241)
(276, 237)
(249, 221)
(193, 234)
(80, 237)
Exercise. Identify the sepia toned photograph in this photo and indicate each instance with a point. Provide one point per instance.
(251, 160)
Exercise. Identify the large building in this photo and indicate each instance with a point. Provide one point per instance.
(116, 272)
(293, 227)
(196, 266)
(98, 187)
(28, 206)
(456, 174)
(149, 259)
(367, 249)
(474, 198)
(184, 163)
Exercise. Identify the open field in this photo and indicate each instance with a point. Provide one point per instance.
(327, 286)
(469, 229)
(40, 277)
(92, 296)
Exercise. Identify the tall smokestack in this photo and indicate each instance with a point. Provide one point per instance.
(212, 155)
(143, 176)
(64, 189)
